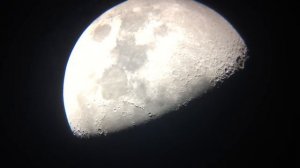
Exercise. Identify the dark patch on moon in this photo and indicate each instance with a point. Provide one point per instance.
(114, 83)
(162, 30)
(101, 32)
(131, 21)
(129, 55)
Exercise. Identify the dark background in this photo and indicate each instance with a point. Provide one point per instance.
(244, 122)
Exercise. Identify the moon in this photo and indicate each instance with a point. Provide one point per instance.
(144, 58)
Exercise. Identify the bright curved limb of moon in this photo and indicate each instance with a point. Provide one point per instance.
(144, 58)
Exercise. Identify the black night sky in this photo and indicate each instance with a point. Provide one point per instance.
(241, 123)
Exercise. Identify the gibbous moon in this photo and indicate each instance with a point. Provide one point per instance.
(144, 58)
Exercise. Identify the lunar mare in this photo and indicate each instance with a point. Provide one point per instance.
(144, 58)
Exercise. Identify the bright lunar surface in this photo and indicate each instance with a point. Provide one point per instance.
(144, 58)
